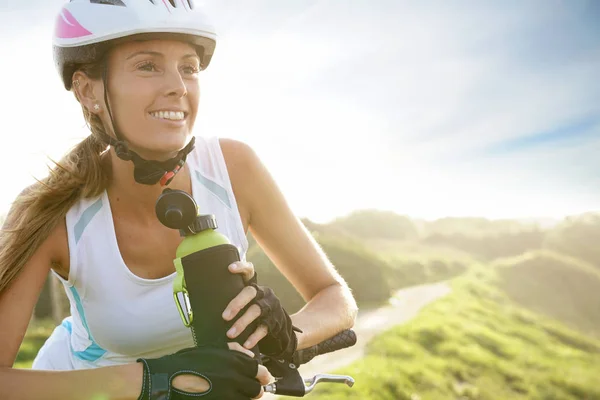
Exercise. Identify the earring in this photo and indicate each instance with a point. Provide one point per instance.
(76, 83)
(96, 107)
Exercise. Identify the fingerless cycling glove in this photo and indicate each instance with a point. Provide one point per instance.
(230, 374)
(281, 341)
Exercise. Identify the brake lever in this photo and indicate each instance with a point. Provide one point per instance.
(288, 381)
(312, 382)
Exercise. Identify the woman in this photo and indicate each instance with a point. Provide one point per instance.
(133, 65)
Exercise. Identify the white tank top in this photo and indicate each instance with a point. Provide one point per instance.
(116, 316)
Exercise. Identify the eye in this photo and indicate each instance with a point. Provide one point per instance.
(191, 69)
(147, 66)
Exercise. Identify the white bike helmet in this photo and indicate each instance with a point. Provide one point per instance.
(85, 29)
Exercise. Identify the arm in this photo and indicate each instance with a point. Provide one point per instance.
(330, 306)
(123, 382)
(16, 306)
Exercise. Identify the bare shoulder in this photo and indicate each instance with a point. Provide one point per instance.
(55, 249)
(243, 163)
(237, 154)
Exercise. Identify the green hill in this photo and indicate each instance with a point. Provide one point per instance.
(578, 236)
(473, 226)
(489, 246)
(365, 272)
(478, 237)
(376, 224)
(555, 285)
(475, 344)
(373, 268)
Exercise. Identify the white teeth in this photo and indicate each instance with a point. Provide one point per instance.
(173, 115)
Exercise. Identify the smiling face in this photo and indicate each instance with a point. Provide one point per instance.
(153, 91)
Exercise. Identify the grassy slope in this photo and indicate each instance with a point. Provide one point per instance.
(475, 344)
(555, 285)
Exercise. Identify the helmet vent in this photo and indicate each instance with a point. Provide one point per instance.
(108, 2)
(191, 4)
(152, 1)
(173, 3)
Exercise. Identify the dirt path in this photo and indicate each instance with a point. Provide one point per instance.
(404, 305)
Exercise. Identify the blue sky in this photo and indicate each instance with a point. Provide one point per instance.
(429, 108)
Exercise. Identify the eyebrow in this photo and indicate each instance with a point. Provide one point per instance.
(154, 53)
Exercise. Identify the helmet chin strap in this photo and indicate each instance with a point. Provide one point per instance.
(146, 172)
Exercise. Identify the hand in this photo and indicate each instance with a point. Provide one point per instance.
(212, 372)
(196, 384)
(275, 334)
(246, 296)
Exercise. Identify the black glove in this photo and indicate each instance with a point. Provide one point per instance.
(230, 374)
(281, 341)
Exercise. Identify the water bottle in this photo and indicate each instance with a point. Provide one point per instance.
(203, 280)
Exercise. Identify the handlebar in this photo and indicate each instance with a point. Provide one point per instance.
(288, 381)
(340, 341)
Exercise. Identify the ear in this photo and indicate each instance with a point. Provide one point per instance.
(88, 92)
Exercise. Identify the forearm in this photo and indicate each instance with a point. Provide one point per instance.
(331, 311)
(122, 382)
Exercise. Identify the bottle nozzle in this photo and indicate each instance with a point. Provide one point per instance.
(176, 209)
(173, 216)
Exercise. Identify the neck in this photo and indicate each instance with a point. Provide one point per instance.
(133, 200)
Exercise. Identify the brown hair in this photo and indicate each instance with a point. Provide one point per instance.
(40, 207)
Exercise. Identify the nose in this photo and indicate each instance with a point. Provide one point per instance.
(175, 84)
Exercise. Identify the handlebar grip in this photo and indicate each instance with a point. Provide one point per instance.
(340, 341)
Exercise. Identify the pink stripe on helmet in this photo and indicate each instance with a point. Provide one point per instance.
(166, 5)
(67, 27)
